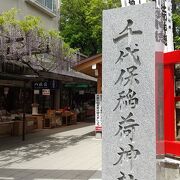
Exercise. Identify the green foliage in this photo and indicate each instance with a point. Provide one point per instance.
(176, 21)
(29, 23)
(33, 23)
(177, 42)
(26, 25)
(67, 51)
(74, 28)
(42, 33)
(9, 17)
(54, 34)
(81, 23)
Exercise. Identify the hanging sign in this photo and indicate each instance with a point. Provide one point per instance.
(36, 91)
(46, 92)
(49, 84)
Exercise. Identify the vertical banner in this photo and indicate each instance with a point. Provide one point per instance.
(129, 93)
(165, 6)
(98, 112)
(166, 13)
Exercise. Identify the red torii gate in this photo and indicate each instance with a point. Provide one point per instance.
(172, 146)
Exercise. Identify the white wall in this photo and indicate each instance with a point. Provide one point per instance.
(27, 9)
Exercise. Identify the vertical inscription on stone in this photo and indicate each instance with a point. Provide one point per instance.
(128, 97)
(128, 93)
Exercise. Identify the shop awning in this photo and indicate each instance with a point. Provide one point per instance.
(77, 85)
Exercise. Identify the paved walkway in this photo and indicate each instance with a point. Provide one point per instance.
(63, 153)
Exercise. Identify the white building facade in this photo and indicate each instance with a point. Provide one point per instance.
(47, 10)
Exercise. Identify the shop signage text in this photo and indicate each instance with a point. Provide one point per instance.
(51, 84)
(98, 112)
(46, 92)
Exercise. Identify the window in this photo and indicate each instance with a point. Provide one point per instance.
(50, 4)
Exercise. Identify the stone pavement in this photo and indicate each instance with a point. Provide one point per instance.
(70, 152)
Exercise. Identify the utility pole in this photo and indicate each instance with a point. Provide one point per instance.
(24, 113)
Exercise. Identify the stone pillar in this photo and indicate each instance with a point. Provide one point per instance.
(129, 93)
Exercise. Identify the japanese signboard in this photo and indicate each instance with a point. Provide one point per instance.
(129, 118)
(36, 91)
(98, 112)
(49, 84)
(46, 92)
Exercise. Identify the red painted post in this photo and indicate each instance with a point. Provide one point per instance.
(172, 146)
(169, 104)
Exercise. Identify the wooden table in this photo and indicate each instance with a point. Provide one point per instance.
(58, 117)
(6, 128)
(17, 129)
(37, 119)
(67, 115)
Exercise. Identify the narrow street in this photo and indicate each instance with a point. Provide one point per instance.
(70, 152)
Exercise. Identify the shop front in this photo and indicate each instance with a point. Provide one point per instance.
(45, 94)
(93, 67)
(13, 94)
(80, 98)
(29, 104)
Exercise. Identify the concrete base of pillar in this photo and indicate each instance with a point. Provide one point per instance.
(169, 169)
(98, 135)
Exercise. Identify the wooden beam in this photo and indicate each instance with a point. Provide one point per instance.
(84, 64)
(99, 82)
